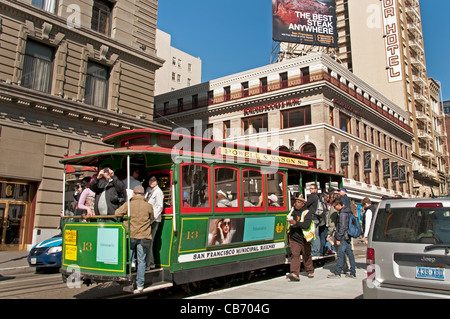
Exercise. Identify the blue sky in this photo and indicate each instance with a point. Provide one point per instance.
(234, 35)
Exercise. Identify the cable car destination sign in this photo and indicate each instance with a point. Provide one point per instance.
(264, 157)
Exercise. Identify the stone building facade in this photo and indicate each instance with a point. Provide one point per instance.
(71, 73)
(312, 105)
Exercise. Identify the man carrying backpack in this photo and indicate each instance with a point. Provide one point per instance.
(343, 240)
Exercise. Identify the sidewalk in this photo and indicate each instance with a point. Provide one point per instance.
(14, 262)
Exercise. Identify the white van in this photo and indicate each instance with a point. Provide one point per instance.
(408, 254)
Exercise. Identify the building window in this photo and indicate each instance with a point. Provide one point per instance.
(47, 5)
(309, 149)
(296, 117)
(345, 123)
(38, 67)
(96, 90)
(263, 85)
(331, 116)
(226, 129)
(195, 100)
(255, 124)
(284, 80)
(180, 105)
(332, 158)
(174, 61)
(173, 76)
(101, 17)
(377, 173)
(356, 168)
(188, 82)
(166, 108)
(179, 78)
(189, 67)
(227, 93)
(244, 88)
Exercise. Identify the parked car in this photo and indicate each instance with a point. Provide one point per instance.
(46, 254)
(408, 254)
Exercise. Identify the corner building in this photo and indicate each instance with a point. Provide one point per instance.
(382, 42)
(310, 105)
(71, 73)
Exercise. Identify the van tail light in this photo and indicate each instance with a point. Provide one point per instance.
(370, 262)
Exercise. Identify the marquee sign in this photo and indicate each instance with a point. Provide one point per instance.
(271, 106)
(392, 41)
(263, 157)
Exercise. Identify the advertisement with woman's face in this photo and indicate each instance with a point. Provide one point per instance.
(224, 231)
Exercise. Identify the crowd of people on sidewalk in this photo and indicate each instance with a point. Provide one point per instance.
(319, 226)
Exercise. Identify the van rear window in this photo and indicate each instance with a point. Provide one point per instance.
(413, 225)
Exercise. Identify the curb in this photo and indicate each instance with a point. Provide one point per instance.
(16, 270)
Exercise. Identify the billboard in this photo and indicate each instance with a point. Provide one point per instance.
(310, 22)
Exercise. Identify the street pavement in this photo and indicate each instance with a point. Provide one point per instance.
(15, 262)
(319, 287)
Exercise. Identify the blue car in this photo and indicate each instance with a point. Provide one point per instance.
(46, 254)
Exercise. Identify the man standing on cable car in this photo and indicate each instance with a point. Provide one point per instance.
(141, 218)
(155, 197)
(109, 192)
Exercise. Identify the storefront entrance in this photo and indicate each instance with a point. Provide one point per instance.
(14, 207)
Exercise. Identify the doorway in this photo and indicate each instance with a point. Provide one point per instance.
(14, 206)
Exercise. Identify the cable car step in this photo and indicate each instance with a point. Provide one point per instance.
(156, 286)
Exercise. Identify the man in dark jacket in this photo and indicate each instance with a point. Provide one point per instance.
(343, 241)
(109, 192)
(298, 244)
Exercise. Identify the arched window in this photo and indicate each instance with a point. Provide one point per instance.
(308, 150)
(332, 158)
(356, 168)
(377, 174)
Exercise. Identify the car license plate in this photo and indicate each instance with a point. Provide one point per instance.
(430, 273)
(33, 261)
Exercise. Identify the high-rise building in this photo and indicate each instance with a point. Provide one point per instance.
(382, 43)
(180, 70)
(71, 72)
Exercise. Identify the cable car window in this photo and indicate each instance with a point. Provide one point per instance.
(195, 186)
(275, 190)
(253, 188)
(226, 187)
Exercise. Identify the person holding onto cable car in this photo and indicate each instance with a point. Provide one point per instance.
(141, 218)
(155, 197)
(109, 192)
(299, 245)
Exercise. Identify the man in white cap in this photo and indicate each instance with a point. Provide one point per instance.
(273, 200)
(222, 200)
